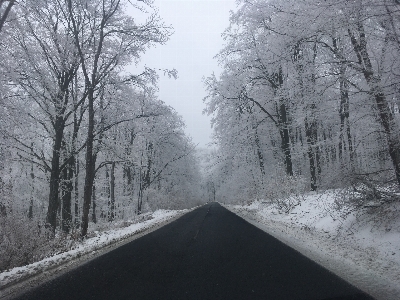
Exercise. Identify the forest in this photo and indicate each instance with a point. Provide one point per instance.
(308, 100)
(82, 140)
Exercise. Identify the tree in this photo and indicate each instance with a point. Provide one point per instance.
(315, 82)
(106, 39)
(46, 66)
(6, 8)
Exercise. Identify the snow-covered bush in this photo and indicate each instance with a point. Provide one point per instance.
(24, 241)
(285, 191)
(368, 190)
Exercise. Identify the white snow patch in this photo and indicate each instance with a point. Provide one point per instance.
(97, 240)
(359, 246)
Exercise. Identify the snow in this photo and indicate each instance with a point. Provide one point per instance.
(362, 246)
(97, 241)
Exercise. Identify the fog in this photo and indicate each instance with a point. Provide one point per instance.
(196, 40)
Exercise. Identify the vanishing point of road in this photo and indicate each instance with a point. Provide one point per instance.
(209, 253)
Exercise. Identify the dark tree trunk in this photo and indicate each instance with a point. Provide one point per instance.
(94, 217)
(387, 121)
(310, 133)
(140, 195)
(68, 175)
(318, 161)
(344, 113)
(285, 137)
(111, 208)
(326, 147)
(30, 211)
(51, 218)
(128, 180)
(76, 194)
(128, 169)
(90, 167)
(385, 116)
(349, 140)
(3, 210)
(140, 199)
(283, 120)
(147, 177)
(260, 155)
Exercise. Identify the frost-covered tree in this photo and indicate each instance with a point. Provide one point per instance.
(313, 98)
(106, 39)
(65, 90)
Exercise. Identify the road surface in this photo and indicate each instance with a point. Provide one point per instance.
(209, 253)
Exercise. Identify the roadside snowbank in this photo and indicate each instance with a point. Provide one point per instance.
(361, 246)
(97, 241)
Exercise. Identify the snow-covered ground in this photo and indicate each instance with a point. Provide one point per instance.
(98, 242)
(361, 246)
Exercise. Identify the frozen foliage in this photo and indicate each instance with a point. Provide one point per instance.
(81, 139)
(309, 89)
(23, 241)
(49, 255)
(360, 245)
(285, 192)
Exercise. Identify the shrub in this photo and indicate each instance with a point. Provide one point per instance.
(24, 241)
(285, 191)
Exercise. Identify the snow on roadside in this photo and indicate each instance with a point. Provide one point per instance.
(97, 241)
(363, 247)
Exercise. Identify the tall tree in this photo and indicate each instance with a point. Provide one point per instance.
(46, 65)
(106, 39)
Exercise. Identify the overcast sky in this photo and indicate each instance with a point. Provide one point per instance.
(198, 25)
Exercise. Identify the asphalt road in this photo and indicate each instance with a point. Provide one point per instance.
(209, 253)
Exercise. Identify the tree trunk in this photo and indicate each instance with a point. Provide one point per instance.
(3, 210)
(344, 113)
(285, 139)
(385, 116)
(128, 176)
(30, 211)
(90, 168)
(147, 176)
(387, 121)
(260, 155)
(94, 217)
(310, 129)
(140, 199)
(4, 16)
(76, 194)
(283, 119)
(140, 195)
(51, 218)
(111, 208)
(68, 175)
(349, 140)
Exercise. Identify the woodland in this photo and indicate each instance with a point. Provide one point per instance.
(308, 100)
(82, 139)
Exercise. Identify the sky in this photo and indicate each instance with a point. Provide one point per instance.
(198, 25)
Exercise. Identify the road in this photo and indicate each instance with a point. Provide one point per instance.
(209, 253)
